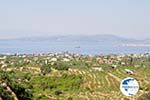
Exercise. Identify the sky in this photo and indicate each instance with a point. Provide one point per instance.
(29, 18)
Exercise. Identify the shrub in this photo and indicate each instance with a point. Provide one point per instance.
(145, 96)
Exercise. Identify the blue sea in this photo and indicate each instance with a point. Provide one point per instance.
(82, 48)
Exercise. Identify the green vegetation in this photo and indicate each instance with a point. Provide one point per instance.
(45, 77)
(11, 80)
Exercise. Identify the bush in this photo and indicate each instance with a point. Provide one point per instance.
(145, 96)
(5, 95)
(21, 92)
(69, 98)
(45, 69)
(61, 66)
(19, 88)
(58, 93)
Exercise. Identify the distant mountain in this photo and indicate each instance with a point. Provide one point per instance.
(80, 39)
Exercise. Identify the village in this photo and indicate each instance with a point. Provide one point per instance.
(111, 60)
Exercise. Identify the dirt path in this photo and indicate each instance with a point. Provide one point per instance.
(13, 94)
(115, 77)
(108, 81)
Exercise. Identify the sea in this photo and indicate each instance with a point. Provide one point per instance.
(29, 47)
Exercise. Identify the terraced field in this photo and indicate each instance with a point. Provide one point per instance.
(105, 85)
(78, 79)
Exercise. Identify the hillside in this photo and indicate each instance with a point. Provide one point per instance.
(67, 76)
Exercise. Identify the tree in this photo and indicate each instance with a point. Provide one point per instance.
(45, 69)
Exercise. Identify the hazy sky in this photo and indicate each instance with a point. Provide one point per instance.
(127, 18)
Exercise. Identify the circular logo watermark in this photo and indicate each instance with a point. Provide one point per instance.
(129, 86)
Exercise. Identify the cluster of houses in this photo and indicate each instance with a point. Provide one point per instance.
(113, 60)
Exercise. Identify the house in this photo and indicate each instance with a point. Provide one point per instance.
(66, 59)
(4, 66)
(97, 68)
(128, 71)
(114, 66)
(123, 63)
(53, 59)
(3, 58)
